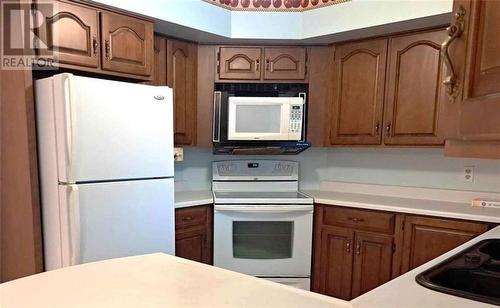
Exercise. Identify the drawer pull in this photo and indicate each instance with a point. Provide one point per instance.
(356, 220)
(358, 249)
(95, 45)
(187, 218)
(348, 247)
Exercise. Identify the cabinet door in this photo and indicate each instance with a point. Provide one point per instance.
(336, 262)
(160, 62)
(193, 233)
(414, 88)
(285, 63)
(480, 105)
(426, 238)
(181, 76)
(192, 245)
(359, 76)
(239, 63)
(372, 261)
(71, 34)
(127, 43)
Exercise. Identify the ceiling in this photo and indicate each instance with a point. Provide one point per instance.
(273, 5)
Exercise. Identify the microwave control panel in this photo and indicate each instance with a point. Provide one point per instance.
(296, 118)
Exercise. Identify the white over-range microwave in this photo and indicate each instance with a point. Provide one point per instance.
(259, 124)
(265, 118)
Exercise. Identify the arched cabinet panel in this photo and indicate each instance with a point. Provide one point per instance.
(239, 63)
(359, 75)
(70, 33)
(127, 44)
(182, 78)
(414, 87)
(285, 63)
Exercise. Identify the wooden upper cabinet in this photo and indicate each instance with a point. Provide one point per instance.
(359, 76)
(335, 269)
(372, 261)
(127, 44)
(240, 63)
(285, 63)
(478, 50)
(413, 89)
(159, 62)
(426, 238)
(71, 34)
(181, 76)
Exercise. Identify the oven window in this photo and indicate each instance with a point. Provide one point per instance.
(262, 239)
(258, 118)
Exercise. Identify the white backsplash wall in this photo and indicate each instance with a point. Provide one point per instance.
(410, 167)
(396, 166)
(195, 172)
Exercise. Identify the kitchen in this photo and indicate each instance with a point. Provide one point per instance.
(385, 190)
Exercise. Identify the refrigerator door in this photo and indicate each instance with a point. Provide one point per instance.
(113, 219)
(109, 130)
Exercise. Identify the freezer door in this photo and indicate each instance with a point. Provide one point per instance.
(109, 130)
(114, 219)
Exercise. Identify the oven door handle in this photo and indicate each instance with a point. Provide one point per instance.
(307, 208)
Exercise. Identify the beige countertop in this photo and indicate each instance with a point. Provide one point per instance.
(156, 280)
(412, 200)
(193, 198)
(457, 210)
(405, 292)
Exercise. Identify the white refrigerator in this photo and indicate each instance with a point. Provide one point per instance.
(106, 169)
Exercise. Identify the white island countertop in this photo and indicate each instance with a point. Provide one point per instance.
(405, 292)
(156, 280)
(193, 198)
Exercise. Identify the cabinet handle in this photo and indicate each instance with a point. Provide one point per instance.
(348, 247)
(454, 31)
(107, 48)
(388, 129)
(257, 65)
(268, 64)
(377, 129)
(95, 45)
(358, 248)
(187, 218)
(356, 220)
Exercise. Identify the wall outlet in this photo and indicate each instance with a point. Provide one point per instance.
(468, 175)
(178, 154)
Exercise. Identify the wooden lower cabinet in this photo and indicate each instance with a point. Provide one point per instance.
(351, 261)
(372, 261)
(335, 267)
(357, 250)
(425, 238)
(193, 233)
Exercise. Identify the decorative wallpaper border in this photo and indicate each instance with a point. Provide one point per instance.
(273, 5)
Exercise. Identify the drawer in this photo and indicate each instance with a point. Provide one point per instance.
(359, 219)
(191, 216)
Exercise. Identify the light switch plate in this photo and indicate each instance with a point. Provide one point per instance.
(178, 154)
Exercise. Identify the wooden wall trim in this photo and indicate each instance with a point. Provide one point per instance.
(21, 239)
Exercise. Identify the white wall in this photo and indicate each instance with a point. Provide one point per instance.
(339, 18)
(404, 167)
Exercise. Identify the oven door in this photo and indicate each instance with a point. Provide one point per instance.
(264, 240)
(258, 118)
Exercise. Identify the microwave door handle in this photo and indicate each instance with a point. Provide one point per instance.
(216, 116)
(303, 95)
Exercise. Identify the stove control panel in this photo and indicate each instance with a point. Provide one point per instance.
(255, 170)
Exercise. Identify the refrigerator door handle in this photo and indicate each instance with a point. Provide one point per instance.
(74, 224)
(68, 123)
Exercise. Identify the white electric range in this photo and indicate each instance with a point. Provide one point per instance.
(262, 223)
